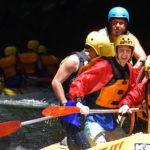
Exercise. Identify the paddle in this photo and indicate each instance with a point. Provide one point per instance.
(140, 74)
(57, 111)
(9, 127)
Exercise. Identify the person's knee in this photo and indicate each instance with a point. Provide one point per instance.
(95, 133)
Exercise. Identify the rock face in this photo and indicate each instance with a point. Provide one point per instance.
(62, 25)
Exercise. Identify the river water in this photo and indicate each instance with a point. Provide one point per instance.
(29, 106)
(26, 107)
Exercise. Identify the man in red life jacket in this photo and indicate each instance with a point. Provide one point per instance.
(95, 45)
(111, 78)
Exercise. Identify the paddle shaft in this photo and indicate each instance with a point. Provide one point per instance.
(57, 111)
(36, 120)
(110, 110)
(91, 111)
(140, 74)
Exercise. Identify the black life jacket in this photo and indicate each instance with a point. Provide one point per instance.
(82, 59)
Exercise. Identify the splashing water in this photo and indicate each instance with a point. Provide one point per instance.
(26, 107)
(37, 99)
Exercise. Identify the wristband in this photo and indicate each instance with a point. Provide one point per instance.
(78, 99)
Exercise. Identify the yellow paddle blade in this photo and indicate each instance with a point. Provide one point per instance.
(10, 92)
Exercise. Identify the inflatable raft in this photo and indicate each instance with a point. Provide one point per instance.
(133, 142)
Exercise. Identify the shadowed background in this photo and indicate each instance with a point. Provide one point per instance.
(62, 25)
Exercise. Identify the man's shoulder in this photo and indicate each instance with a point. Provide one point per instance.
(73, 58)
(132, 35)
(102, 31)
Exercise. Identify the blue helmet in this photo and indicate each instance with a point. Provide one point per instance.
(118, 12)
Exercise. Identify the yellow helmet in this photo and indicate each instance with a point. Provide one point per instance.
(147, 63)
(10, 51)
(33, 45)
(124, 40)
(107, 50)
(96, 41)
(42, 49)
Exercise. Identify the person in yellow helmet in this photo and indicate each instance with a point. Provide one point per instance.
(118, 20)
(99, 43)
(42, 49)
(29, 60)
(33, 45)
(68, 71)
(47, 66)
(10, 67)
(10, 51)
(94, 43)
(113, 75)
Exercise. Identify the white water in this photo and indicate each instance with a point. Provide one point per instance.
(37, 99)
(26, 107)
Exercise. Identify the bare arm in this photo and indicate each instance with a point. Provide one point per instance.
(139, 52)
(65, 70)
(102, 32)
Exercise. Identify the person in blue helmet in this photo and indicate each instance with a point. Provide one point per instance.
(118, 20)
